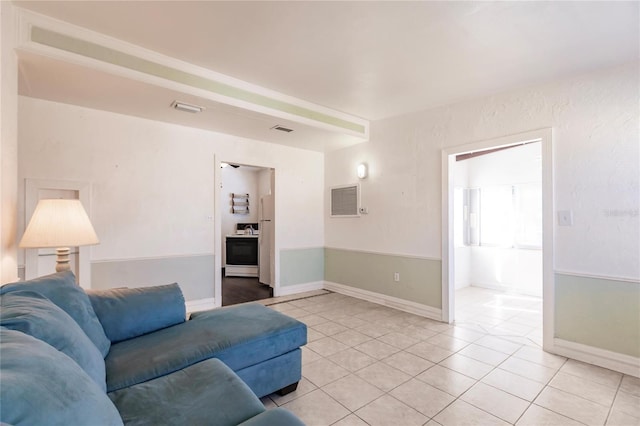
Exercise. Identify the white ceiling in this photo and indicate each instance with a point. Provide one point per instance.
(369, 59)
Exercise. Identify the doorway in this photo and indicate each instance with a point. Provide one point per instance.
(246, 243)
(508, 239)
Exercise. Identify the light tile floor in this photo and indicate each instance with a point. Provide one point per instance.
(366, 364)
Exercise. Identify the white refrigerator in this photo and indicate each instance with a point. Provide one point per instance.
(266, 261)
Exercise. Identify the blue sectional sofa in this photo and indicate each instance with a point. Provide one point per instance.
(129, 356)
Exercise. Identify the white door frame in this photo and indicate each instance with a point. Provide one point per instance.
(545, 137)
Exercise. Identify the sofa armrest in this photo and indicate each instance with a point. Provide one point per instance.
(126, 313)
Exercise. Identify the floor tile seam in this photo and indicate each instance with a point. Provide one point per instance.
(357, 350)
(443, 408)
(328, 396)
(475, 406)
(617, 387)
(350, 411)
(502, 335)
(493, 367)
(328, 383)
(428, 417)
(571, 394)
(614, 401)
(390, 390)
(537, 363)
(560, 414)
(466, 375)
(474, 324)
(401, 402)
(445, 391)
(514, 320)
(586, 399)
(355, 344)
(512, 394)
(497, 350)
(451, 337)
(495, 415)
(350, 414)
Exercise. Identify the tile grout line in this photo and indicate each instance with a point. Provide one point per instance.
(614, 400)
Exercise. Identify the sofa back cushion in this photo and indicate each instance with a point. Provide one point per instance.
(61, 289)
(37, 316)
(43, 386)
(126, 313)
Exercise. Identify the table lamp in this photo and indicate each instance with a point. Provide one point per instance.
(60, 224)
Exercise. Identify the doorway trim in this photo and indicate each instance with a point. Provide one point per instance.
(545, 137)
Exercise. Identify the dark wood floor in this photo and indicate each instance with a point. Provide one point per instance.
(243, 289)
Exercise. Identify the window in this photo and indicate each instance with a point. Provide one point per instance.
(496, 216)
(528, 207)
(500, 216)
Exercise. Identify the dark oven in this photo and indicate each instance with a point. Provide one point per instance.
(242, 251)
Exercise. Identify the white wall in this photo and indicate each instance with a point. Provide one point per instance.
(595, 123)
(153, 183)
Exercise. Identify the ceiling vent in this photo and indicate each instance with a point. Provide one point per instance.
(282, 128)
(181, 106)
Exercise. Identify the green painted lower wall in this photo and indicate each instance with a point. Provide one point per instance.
(301, 266)
(420, 279)
(598, 312)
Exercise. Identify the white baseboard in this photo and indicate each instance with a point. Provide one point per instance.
(383, 299)
(298, 288)
(601, 357)
(200, 304)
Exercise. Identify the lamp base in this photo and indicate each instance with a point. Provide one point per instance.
(62, 261)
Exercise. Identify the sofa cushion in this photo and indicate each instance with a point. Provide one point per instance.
(61, 289)
(205, 393)
(130, 312)
(240, 336)
(276, 416)
(43, 386)
(37, 316)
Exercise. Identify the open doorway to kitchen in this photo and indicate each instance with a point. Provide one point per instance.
(247, 224)
(497, 234)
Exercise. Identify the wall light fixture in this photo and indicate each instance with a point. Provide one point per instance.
(362, 171)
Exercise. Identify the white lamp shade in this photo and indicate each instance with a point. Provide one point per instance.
(59, 223)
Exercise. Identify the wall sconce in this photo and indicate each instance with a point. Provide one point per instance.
(362, 171)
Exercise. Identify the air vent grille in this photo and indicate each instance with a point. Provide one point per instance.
(282, 129)
(345, 201)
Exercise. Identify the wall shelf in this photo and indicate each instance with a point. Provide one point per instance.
(239, 203)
